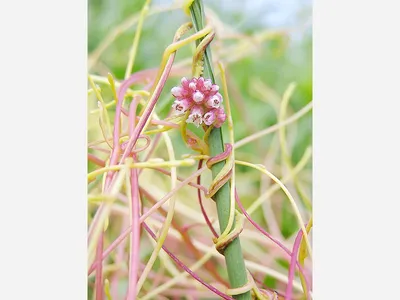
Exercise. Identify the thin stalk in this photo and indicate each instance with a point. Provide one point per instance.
(237, 272)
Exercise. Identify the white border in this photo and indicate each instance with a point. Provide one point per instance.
(356, 149)
(43, 155)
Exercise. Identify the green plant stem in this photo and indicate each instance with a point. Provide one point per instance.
(233, 253)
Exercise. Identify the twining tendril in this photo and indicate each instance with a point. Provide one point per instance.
(201, 202)
(235, 229)
(226, 172)
(140, 149)
(194, 275)
(251, 286)
(222, 243)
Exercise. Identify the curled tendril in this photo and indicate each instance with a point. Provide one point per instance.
(251, 286)
(222, 242)
(140, 149)
(225, 174)
(198, 57)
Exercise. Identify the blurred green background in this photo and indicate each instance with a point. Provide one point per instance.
(259, 70)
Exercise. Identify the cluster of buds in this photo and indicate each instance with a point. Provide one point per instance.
(200, 97)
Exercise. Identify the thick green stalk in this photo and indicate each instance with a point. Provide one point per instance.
(233, 253)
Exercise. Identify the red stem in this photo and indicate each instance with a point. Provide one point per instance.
(184, 267)
(272, 239)
(99, 269)
(135, 205)
(201, 202)
(94, 159)
(296, 246)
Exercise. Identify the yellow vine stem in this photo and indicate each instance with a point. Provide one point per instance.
(168, 219)
(120, 29)
(166, 261)
(300, 166)
(154, 131)
(109, 200)
(283, 143)
(275, 127)
(237, 51)
(198, 57)
(253, 266)
(133, 51)
(262, 169)
(117, 84)
(107, 289)
(131, 93)
(102, 108)
(103, 179)
(123, 138)
(91, 91)
(183, 127)
(207, 133)
(249, 286)
(173, 48)
(106, 133)
(258, 202)
(179, 44)
(221, 177)
(109, 80)
(303, 253)
(113, 84)
(232, 155)
(237, 228)
(186, 6)
(179, 278)
(96, 89)
(141, 165)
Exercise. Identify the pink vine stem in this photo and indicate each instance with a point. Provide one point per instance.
(115, 153)
(135, 206)
(201, 202)
(126, 232)
(135, 135)
(296, 246)
(259, 228)
(99, 269)
(119, 259)
(185, 268)
(132, 141)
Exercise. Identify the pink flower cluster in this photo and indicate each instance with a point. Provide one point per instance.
(200, 96)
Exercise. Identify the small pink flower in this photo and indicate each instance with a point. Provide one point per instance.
(184, 82)
(214, 101)
(192, 86)
(195, 116)
(198, 109)
(208, 84)
(221, 116)
(177, 91)
(180, 106)
(215, 116)
(214, 88)
(201, 97)
(200, 82)
(209, 118)
(198, 97)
